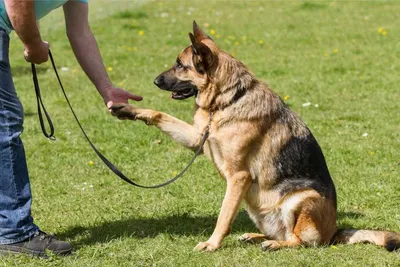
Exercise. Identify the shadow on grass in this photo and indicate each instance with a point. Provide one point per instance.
(30, 114)
(182, 225)
(350, 215)
(343, 215)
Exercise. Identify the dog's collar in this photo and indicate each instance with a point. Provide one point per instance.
(238, 95)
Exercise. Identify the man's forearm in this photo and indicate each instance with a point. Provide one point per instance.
(87, 53)
(23, 20)
(88, 56)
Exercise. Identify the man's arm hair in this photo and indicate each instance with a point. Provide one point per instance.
(23, 20)
(84, 44)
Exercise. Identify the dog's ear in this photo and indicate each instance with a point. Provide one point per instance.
(199, 34)
(203, 57)
(193, 40)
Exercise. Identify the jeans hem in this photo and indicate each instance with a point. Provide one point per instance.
(20, 239)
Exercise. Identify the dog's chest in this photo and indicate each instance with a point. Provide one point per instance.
(215, 147)
(213, 150)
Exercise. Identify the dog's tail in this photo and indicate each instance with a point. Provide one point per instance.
(386, 239)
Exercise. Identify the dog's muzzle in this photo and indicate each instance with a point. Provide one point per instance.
(180, 89)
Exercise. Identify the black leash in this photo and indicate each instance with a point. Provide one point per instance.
(40, 106)
(101, 156)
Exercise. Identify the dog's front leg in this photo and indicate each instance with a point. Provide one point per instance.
(178, 130)
(237, 186)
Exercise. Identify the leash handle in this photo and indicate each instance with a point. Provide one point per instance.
(40, 106)
(111, 166)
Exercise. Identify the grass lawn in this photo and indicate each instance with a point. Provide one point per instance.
(342, 57)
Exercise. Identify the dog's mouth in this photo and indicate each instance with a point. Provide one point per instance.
(183, 90)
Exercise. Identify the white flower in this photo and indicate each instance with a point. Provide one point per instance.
(164, 15)
(64, 69)
(316, 105)
(365, 134)
(307, 104)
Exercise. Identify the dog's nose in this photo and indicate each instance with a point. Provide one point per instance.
(159, 81)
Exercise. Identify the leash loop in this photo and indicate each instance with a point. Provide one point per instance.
(110, 165)
(40, 106)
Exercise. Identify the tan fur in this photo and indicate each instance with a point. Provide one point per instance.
(246, 137)
(389, 240)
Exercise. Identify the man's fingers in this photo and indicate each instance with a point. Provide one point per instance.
(109, 105)
(26, 56)
(38, 53)
(135, 97)
(47, 43)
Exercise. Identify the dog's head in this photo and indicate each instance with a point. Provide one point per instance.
(193, 68)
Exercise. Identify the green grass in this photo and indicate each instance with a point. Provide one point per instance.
(328, 53)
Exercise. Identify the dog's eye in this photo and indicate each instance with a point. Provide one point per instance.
(179, 65)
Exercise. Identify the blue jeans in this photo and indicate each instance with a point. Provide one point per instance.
(16, 222)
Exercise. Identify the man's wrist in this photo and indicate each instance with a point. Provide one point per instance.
(104, 88)
(33, 43)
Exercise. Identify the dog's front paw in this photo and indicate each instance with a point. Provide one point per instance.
(206, 246)
(123, 111)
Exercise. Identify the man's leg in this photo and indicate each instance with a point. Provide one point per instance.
(18, 233)
(16, 223)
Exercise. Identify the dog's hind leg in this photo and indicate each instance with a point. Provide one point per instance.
(275, 245)
(304, 233)
(252, 237)
(309, 219)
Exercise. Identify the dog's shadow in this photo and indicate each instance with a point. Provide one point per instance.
(139, 228)
(181, 225)
(347, 215)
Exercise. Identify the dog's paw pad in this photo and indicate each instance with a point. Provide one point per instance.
(122, 110)
(118, 106)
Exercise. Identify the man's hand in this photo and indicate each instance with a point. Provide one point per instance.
(113, 95)
(37, 53)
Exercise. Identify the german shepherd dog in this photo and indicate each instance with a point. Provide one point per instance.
(263, 150)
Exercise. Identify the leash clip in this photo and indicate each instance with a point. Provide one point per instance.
(209, 121)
